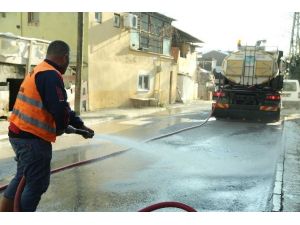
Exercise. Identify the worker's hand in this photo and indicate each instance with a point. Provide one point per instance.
(59, 132)
(90, 133)
(70, 130)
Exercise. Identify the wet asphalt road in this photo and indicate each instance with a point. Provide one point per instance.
(222, 166)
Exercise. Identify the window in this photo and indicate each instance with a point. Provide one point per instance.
(98, 17)
(134, 39)
(144, 83)
(166, 46)
(289, 86)
(184, 50)
(33, 18)
(116, 20)
(145, 22)
(153, 33)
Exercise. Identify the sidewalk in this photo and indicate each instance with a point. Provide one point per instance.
(290, 193)
(3, 129)
(105, 115)
(100, 116)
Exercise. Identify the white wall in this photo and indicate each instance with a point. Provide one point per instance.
(186, 87)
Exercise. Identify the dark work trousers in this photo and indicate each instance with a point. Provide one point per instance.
(33, 161)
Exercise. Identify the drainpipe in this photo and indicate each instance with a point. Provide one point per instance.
(22, 21)
(157, 63)
(77, 104)
(28, 64)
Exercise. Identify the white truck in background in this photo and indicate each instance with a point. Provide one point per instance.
(291, 94)
(17, 56)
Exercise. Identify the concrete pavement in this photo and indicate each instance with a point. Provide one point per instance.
(290, 166)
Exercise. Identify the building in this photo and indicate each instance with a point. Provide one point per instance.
(127, 57)
(130, 58)
(44, 27)
(212, 60)
(185, 55)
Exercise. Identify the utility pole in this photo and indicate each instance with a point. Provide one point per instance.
(77, 104)
(294, 54)
(295, 42)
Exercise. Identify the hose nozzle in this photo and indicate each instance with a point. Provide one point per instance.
(73, 130)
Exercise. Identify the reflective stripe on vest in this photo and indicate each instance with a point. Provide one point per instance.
(30, 101)
(34, 122)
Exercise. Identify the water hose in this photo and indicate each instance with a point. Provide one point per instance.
(21, 185)
(168, 205)
(17, 199)
(70, 130)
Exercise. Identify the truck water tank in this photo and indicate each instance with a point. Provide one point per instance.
(250, 66)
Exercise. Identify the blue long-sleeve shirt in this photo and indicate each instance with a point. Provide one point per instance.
(54, 97)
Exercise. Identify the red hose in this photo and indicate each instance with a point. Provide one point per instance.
(17, 198)
(168, 205)
(147, 209)
(21, 185)
(3, 187)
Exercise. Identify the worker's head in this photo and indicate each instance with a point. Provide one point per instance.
(59, 53)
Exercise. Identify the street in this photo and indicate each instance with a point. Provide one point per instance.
(177, 108)
(222, 166)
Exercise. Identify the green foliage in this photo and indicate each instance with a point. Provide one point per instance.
(294, 68)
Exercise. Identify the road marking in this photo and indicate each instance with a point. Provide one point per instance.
(137, 122)
(187, 120)
(3, 136)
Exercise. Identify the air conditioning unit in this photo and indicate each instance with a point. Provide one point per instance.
(130, 21)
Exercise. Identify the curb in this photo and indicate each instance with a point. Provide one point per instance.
(278, 185)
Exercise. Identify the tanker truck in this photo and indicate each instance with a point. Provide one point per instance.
(251, 85)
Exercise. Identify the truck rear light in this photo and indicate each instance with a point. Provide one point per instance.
(268, 108)
(218, 94)
(273, 97)
(220, 106)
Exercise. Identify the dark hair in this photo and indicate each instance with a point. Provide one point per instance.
(58, 48)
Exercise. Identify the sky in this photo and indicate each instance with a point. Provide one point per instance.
(221, 31)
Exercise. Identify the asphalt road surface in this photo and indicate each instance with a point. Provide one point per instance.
(224, 165)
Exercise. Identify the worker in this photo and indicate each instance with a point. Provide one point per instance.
(41, 112)
(239, 44)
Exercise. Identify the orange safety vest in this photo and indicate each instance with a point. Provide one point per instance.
(29, 113)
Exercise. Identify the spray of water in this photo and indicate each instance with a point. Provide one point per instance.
(125, 142)
(176, 155)
(161, 150)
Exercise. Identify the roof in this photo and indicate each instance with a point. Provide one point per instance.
(13, 36)
(158, 15)
(214, 53)
(164, 16)
(217, 55)
(181, 36)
